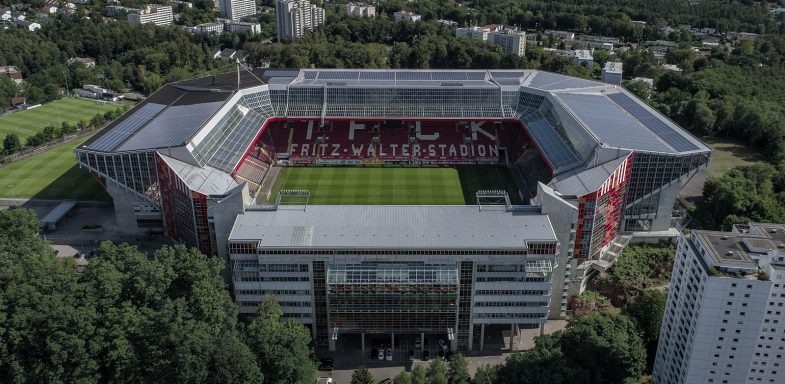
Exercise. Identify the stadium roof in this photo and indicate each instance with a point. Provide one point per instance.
(579, 182)
(206, 180)
(392, 227)
(567, 117)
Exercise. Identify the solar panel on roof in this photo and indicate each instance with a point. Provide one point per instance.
(126, 127)
(475, 75)
(172, 127)
(310, 75)
(338, 75)
(281, 72)
(611, 124)
(449, 75)
(551, 81)
(507, 75)
(377, 75)
(656, 124)
(413, 75)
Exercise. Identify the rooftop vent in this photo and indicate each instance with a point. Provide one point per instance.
(724, 237)
(730, 253)
(773, 230)
(781, 245)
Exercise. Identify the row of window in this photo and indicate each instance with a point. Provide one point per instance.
(273, 292)
(493, 279)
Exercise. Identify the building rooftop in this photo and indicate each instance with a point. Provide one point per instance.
(727, 252)
(613, 67)
(392, 226)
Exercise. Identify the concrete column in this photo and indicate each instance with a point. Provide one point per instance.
(471, 337)
(512, 336)
(331, 344)
(392, 341)
(482, 337)
(422, 342)
(362, 343)
(542, 329)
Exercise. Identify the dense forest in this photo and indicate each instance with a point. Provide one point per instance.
(132, 317)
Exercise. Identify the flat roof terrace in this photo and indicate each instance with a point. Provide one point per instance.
(410, 227)
(727, 251)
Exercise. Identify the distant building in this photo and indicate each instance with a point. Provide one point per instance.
(240, 26)
(560, 34)
(448, 23)
(151, 14)
(670, 67)
(360, 10)
(647, 80)
(723, 319)
(612, 72)
(88, 62)
(50, 9)
(216, 27)
(237, 9)
(114, 10)
(296, 17)
(402, 16)
(512, 41)
(95, 92)
(581, 56)
(221, 25)
(12, 73)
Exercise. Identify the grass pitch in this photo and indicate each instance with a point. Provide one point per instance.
(395, 186)
(29, 122)
(50, 175)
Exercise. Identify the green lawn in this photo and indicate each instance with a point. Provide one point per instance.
(50, 175)
(369, 186)
(27, 123)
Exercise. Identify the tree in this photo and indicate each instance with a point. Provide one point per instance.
(486, 374)
(403, 378)
(545, 363)
(362, 376)
(437, 372)
(648, 310)
(419, 375)
(11, 144)
(608, 347)
(282, 349)
(458, 370)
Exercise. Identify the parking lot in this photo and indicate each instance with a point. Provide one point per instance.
(406, 349)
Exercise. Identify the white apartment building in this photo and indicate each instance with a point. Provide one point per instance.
(296, 17)
(612, 72)
(237, 9)
(240, 26)
(512, 41)
(360, 10)
(724, 318)
(216, 27)
(151, 14)
(583, 56)
(402, 16)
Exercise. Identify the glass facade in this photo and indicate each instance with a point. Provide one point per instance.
(136, 171)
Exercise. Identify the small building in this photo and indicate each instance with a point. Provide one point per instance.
(209, 28)
(402, 16)
(561, 34)
(56, 215)
(240, 26)
(360, 10)
(12, 73)
(88, 62)
(670, 67)
(612, 72)
(51, 9)
(95, 92)
(512, 41)
(581, 56)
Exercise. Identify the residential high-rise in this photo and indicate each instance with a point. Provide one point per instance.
(512, 41)
(151, 13)
(723, 320)
(360, 10)
(237, 9)
(296, 17)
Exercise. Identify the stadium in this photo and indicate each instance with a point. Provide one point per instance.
(398, 202)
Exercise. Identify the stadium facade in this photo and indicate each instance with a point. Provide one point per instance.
(596, 162)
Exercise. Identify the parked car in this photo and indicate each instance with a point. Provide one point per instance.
(386, 381)
(426, 355)
(417, 343)
(326, 364)
(380, 355)
(411, 355)
(449, 355)
(324, 380)
(389, 354)
(440, 354)
(374, 354)
(426, 344)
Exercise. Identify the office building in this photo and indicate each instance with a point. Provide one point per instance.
(237, 9)
(295, 18)
(724, 318)
(151, 14)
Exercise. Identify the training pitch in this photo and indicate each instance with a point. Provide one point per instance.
(29, 122)
(400, 186)
(50, 175)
